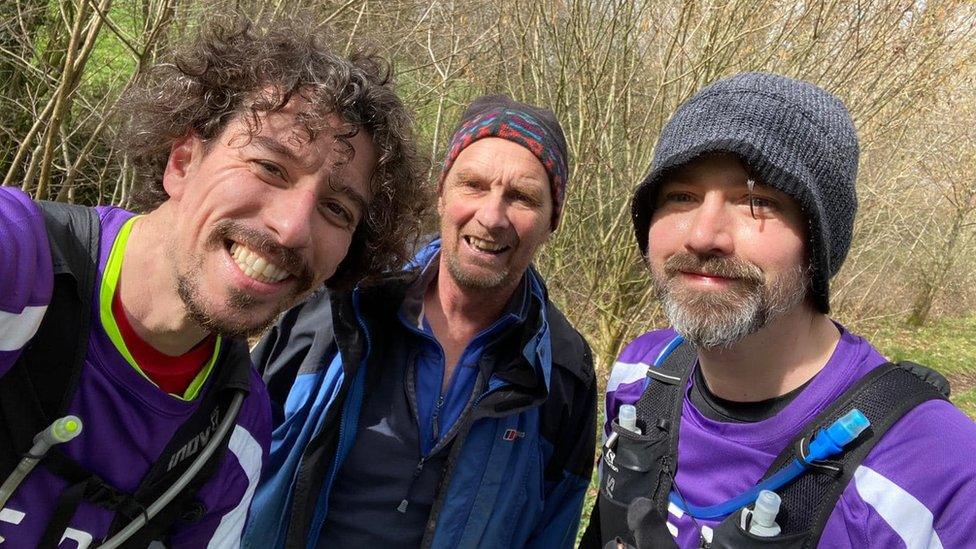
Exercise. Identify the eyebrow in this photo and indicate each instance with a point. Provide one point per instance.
(467, 174)
(273, 145)
(337, 185)
(277, 147)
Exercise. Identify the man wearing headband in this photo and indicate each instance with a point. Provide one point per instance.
(449, 405)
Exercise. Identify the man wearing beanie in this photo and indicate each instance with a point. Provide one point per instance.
(745, 216)
(451, 404)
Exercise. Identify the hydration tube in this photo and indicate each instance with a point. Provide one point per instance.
(667, 350)
(229, 419)
(826, 443)
(61, 431)
(662, 356)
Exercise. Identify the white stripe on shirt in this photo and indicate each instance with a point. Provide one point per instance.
(17, 329)
(625, 372)
(906, 515)
(248, 453)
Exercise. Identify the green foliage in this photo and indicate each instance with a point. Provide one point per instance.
(947, 345)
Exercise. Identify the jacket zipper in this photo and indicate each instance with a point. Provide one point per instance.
(435, 418)
(435, 509)
(435, 427)
(342, 418)
(462, 435)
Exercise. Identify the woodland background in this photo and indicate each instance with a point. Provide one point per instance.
(613, 71)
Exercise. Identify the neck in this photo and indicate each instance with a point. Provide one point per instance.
(147, 288)
(773, 361)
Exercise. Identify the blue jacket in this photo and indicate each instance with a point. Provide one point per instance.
(518, 470)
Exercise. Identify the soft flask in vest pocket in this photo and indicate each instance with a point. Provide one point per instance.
(733, 533)
(629, 462)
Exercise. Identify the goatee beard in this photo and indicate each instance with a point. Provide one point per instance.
(713, 319)
(224, 326)
(237, 322)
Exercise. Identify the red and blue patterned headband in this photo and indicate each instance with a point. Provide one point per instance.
(524, 129)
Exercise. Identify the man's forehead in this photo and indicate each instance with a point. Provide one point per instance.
(297, 124)
(725, 165)
(697, 167)
(481, 159)
(292, 133)
(524, 181)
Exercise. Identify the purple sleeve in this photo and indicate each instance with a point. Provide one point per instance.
(26, 275)
(917, 487)
(626, 381)
(227, 496)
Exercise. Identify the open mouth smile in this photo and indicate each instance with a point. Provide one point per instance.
(486, 246)
(255, 265)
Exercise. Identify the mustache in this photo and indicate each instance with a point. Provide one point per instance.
(265, 244)
(725, 267)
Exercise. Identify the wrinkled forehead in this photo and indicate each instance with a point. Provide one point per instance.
(306, 137)
(493, 158)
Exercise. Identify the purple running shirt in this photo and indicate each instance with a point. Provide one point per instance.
(127, 419)
(917, 487)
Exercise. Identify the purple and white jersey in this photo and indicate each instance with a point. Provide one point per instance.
(917, 487)
(127, 419)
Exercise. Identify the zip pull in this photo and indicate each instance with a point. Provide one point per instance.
(404, 503)
(435, 419)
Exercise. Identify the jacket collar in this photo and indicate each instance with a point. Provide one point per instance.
(383, 297)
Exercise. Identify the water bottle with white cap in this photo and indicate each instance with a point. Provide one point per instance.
(628, 418)
(764, 515)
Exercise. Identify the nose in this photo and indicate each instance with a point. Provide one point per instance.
(493, 211)
(710, 232)
(290, 215)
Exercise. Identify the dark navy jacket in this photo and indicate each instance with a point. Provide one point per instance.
(518, 469)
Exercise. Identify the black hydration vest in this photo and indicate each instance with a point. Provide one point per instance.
(40, 385)
(638, 473)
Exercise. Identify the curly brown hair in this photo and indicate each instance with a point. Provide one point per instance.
(235, 69)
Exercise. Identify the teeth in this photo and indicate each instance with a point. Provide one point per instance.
(255, 266)
(485, 245)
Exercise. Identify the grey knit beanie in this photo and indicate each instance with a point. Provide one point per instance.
(791, 135)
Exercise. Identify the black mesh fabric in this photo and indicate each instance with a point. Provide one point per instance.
(884, 396)
(659, 411)
(659, 401)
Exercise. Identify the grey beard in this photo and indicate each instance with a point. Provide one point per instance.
(473, 282)
(710, 320)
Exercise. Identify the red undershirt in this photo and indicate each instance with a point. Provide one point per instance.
(172, 374)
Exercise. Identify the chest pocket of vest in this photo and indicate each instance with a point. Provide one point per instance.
(729, 534)
(629, 466)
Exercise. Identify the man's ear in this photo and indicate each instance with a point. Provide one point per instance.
(181, 156)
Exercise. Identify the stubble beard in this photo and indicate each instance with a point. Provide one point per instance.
(484, 280)
(480, 279)
(231, 324)
(720, 319)
(236, 321)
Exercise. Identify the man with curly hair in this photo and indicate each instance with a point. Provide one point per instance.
(267, 167)
(450, 404)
